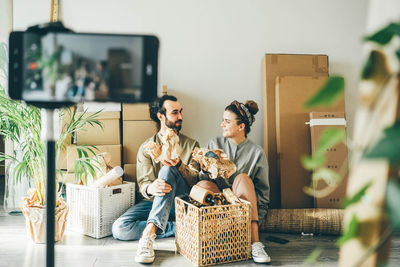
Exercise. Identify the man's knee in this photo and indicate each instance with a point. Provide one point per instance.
(121, 231)
(168, 174)
(209, 186)
(117, 229)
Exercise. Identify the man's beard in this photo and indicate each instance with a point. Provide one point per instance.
(172, 125)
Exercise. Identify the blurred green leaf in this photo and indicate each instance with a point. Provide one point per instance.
(356, 197)
(393, 203)
(384, 35)
(313, 162)
(388, 147)
(350, 232)
(329, 176)
(398, 54)
(329, 138)
(375, 67)
(313, 257)
(328, 94)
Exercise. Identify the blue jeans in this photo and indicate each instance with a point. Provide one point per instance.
(160, 211)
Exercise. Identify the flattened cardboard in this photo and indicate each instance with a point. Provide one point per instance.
(274, 65)
(114, 150)
(293, 136)
(134, 134)
(336, 159)
(135, 112)
(109, 135)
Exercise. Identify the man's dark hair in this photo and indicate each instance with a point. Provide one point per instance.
(158, 106)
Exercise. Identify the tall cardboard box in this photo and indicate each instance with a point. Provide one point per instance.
(336, 157)
(113, 150)
(293, 136)
(135, 112)
(274, 65)
(134, 134)
(109, 135)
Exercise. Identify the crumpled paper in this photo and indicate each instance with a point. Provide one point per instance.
(101, 162)
(35, 218)
(215, 162)
(169, 149)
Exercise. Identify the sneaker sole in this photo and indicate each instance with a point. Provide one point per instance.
(256, 260)
(144, 259)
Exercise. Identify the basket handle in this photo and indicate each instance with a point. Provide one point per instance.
(116, 191)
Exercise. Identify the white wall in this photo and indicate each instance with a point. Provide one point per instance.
(211, 50)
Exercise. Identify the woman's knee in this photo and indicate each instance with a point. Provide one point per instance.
(243, 178)
(243, 181)
(209, 186)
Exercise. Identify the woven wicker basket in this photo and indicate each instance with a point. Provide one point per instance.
(213, 235)
(317, 221)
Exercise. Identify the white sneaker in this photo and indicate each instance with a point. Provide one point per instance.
(258, 253)
(145, 251)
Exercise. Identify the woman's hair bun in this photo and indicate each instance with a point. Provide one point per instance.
(252, 106)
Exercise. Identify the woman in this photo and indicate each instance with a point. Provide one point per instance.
(250, 182)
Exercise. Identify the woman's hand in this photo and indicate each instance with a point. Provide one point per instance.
(159, 188)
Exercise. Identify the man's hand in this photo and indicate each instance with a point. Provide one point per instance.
(171, 163)
(159, 188)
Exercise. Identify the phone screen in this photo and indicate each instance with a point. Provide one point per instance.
(74, 67)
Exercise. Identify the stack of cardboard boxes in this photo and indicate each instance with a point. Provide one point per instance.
(107, 139)
(288, 81)
(137, 127)
(122, 144)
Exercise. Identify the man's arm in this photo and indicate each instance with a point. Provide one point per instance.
(145, 172)
(191, 171)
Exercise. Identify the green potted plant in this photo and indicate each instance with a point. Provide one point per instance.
(21, 124)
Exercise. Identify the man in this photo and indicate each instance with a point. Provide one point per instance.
(159, 183)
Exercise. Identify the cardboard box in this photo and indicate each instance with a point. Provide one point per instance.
(114, 150)
(134, 134)
(336, 156)
(109, 135)
(130, 173)
(62, 158)
(104, 107)
(130, 176)
(274, 65)
(293, 136)
(68, 177)
(135, 112)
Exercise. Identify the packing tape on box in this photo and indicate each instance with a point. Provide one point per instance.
(327, 122)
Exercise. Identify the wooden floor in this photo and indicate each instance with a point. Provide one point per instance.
(77, 250)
